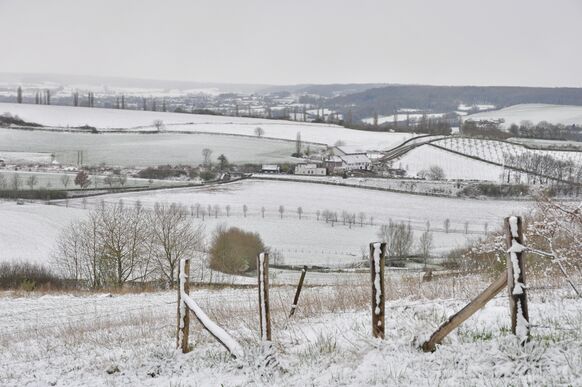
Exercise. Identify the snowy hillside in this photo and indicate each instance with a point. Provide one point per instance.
(29, 232)
(556, 114)
(454, 166)
(132, 120)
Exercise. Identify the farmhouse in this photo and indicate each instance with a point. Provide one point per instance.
(355, 161)
(270, 168)
(310, 169)
(333, 162)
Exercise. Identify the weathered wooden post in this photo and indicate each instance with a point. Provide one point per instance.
(377, 254)
(516, 278)
(298, 291)
(458, 318)
(264, 313)
(183, 311)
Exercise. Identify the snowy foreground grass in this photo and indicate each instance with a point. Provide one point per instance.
(129, 339)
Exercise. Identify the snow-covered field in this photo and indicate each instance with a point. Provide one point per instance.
(139, 150)
(131, 120)
(54, 180)
(555, 114)
(29, 232)
(454, 166)
(121, 340)
(24, 157)
(308, 241)
(300, 241)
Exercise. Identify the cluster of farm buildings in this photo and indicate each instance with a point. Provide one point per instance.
(332, 164)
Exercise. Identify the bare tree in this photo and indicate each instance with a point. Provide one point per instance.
(259, 132)
(425, 243)
(15, 182)
(108, 247)
(82, 179)
(159, 125)
(206, 154)
(398, 238)
(434, 172)
(216, 209)
(362, 218)
(108, 180)
(65, 180)
(298, 144)
(174, 237)
(32, 181)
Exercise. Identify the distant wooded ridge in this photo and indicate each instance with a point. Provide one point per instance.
(439, 99)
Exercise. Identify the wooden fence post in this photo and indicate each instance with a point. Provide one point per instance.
(263, 279)
(516, 278)
(298, 291)
(183, 312)
(377, 254)
(458, 318)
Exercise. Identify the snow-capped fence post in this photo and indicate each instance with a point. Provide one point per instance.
(516, 278)
(187, 304)
(263, 279)
(298, 292)
(377, 254)
(183, 312)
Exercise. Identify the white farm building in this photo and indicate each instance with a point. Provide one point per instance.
(310, 169)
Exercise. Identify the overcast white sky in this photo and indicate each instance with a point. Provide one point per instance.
(451, 42)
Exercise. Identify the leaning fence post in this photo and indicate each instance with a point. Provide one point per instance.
(264, 313)
(298, 291)
(516, 278)
(183, 312)
(377, 253)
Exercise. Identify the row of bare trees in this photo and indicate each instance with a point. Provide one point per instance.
(116, 244)
(543, 168)
(15, 182)
(399, 239)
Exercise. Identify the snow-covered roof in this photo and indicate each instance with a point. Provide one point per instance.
(355, 158)
(270, 167)
(334, 159)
